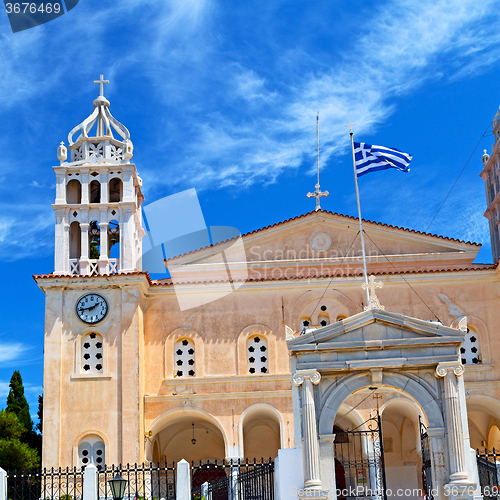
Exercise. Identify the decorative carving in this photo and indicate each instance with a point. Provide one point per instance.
(442, 369)
(462, 324)
(298, 380)
(62, 152)
(373, 303)
(321, 241)
(315, 378)
(288, 333)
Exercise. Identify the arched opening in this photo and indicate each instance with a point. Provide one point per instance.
(115, 190)
(95, 191)
(114, 240)
(73, 192)
(261, 432)
(91, 450)
(192, 435)
(75, 240)
(94, 240)
(401, 441)
(400, 410)
(484, 422)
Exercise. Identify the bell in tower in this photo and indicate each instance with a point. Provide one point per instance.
(98, 198)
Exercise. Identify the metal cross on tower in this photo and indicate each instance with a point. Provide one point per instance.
(101, 82)
(318, 193)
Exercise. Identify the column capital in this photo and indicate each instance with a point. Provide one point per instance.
(299, 377)
(449, 366)
(84, 226)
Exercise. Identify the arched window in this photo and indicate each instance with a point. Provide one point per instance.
(95, 192)
(257, 355)
(305, 323)
(74, 192)
(92, 353)
(115, 190)
(184, 360)
(75, 238)
(94, 240)
(91, 450)
(114, 239)
(323, 319)
(469, 351)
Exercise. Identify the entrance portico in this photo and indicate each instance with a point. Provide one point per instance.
(351, 368)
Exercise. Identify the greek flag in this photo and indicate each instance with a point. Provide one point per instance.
(371, 158)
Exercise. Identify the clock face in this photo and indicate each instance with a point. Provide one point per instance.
(92, 308)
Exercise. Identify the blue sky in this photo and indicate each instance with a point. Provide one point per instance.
(223, 96)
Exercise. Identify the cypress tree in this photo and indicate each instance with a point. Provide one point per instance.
(16, 402)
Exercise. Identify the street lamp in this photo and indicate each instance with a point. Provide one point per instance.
(117, 485)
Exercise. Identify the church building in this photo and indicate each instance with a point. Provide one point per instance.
(297, 359)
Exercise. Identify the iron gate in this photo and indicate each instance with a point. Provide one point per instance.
(488, 469)
(359, 461)
(426, 460)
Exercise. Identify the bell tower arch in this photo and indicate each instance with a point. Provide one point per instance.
(98, 198)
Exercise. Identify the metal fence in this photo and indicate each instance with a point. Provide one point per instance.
(48, 484)
(488, 468)
(233, 480)
(144, 481)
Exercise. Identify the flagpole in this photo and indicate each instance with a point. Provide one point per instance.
(359, 214)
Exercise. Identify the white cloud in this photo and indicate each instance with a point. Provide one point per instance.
(11, 352)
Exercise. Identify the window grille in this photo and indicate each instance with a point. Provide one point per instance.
(257, 355)
(470, 352)
(92, 353)
(184, 360)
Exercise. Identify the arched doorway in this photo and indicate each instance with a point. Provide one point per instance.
(192, 435)
(260, 432)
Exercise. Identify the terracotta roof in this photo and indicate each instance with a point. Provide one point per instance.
(486, 267)
(169, 282)
(334, 214)
(77, 276)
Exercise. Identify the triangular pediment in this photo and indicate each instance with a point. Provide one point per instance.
(317, 243)
(377, 338)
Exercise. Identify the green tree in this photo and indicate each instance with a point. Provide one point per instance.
(14, 454)
(16, 402)
(39, 426)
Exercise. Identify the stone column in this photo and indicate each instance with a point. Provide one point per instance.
(84, 254)
(60, 243)
(310, 434)
(454, 439)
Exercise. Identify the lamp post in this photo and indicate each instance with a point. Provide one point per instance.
(117, 485)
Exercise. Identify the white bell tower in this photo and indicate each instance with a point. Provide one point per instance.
(491, 177)
(98, 198)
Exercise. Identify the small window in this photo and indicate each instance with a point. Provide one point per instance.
(91, 450)
(92, 353)
(257, 355)
(184, 360)
(323, 319)
(305, 323)
(469, 351)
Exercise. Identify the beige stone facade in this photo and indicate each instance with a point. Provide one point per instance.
(156, 382)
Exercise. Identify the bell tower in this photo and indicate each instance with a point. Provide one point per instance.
(491, 177)
(98, 198)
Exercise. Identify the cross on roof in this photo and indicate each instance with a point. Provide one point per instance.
(101, 82)
(317, 194)
(372, 285)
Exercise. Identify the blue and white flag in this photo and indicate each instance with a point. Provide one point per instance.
(370, 158)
